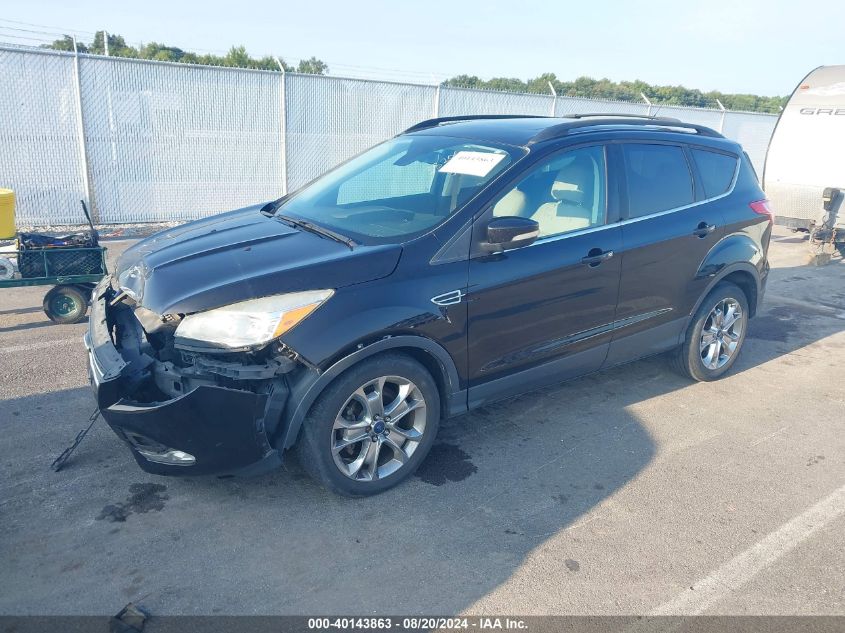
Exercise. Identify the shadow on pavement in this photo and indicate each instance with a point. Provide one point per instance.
(27, 326)
(20, 311)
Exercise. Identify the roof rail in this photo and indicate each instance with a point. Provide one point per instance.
(422, 125)
(627, 115)
(563, 129)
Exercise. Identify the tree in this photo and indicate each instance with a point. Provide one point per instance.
(632, 91)
(237, 57)
(117, 46)
(66, 44)
(312, 66)
(160, 52)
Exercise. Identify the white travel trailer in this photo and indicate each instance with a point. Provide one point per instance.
(807, 150)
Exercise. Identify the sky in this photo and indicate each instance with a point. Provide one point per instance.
(755, 46)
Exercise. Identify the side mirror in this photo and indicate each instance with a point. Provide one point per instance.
(507, 232)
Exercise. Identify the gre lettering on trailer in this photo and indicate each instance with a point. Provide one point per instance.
(472, 163)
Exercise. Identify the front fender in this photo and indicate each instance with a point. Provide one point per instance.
(309, 387)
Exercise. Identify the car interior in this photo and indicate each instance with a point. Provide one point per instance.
(564, 195)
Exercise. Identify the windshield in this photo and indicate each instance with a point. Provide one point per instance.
(401, 188)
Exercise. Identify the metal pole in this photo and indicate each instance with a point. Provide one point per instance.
(722, 119)
(642, 94)
(106, 42)
(436, 112)
(554, 98)
(283, 124)
(83, 154)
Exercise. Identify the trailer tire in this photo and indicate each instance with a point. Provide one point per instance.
(65, 304)
(7, 269)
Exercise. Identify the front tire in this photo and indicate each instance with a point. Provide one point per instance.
(715, 334)
(372, 427)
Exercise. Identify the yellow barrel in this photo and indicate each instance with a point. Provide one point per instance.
(7, 214)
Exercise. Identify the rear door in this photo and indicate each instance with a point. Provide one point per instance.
(668, 228)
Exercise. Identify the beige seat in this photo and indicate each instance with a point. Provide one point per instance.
(573, 204)
(512, 203)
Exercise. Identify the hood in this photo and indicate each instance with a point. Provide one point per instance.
(242, 255)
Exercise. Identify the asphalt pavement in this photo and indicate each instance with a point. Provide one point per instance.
(632, 491)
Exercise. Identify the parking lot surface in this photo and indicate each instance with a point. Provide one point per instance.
(630, 491)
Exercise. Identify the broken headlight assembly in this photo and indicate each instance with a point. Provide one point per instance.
(247, 324)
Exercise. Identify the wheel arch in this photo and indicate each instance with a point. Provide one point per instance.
(744, 275)
(736, 258)
(428, 353)
(748, 284)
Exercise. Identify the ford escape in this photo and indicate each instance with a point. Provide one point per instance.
(463, 261)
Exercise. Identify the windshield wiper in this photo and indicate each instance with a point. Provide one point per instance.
(305, 225)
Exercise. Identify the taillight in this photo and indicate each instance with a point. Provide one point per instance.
(762, 207)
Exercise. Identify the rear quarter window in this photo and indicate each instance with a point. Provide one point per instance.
(716, 171)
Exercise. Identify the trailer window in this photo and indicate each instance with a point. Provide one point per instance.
(716, 171)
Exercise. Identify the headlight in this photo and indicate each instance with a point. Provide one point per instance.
(249, 323)
(131, 281)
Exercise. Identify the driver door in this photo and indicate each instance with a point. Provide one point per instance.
(544, 312)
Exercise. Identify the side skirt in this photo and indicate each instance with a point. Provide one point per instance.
(555, 371)
(655, 340)
(619, 352)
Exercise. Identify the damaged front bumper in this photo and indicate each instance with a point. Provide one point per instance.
(208, 429)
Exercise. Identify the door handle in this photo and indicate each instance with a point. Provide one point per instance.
(595, 257)
(703, 229)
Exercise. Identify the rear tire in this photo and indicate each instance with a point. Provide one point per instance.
(715, 334)
(372, 427)
(65, 304)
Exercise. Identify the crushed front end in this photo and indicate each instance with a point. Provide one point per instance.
(184, 412)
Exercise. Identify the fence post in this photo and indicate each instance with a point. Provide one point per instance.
(436, 111)
(642, 94)
(284, 126)
(554, 98)
(80, 125)
(722, 118)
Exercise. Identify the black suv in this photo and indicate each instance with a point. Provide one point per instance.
(465, 260)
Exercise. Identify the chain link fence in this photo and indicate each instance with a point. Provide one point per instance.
(40, 137)
(329, 119)
(167, 140)
(149, 141)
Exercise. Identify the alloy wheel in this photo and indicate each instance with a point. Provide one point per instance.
(378, 428)
(721, 334)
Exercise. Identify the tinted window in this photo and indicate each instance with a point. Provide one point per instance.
(716, 171)
(658, 178)
(564, 194)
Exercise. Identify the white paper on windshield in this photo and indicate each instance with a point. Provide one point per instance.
(472, 163)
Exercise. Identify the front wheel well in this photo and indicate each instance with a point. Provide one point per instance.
(424, 358)
(746, 281)
(433, 367)
(292, 424)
